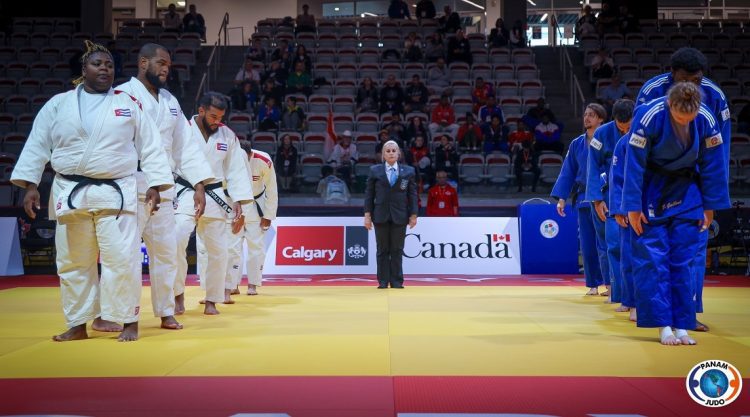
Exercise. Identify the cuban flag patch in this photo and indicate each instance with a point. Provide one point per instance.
(122, 113)
(221, 147)
(174, 112)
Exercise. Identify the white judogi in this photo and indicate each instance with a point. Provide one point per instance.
(94, 225)
(227, 162)
(184, 152)
(260, 169)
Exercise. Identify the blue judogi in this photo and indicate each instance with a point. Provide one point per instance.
(616, 177)
(661, 180)
(572, 183)
(716, 101)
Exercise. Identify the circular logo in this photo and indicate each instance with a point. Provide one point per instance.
(714, 383)
(549, 228)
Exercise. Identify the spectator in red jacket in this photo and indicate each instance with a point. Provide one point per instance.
(442, 199)
(469, 134)
(418, 157)
(480, 93)
(443, 119)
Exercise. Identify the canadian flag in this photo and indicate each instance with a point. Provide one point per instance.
(330, 136)
(501, 238)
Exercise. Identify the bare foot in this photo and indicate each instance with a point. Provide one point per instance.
(671, 340)
(700, 327)
(687, 340)
(179, 304)
(101, 325)
(210, 309)
(170, 323)
(228, 297)
(605, 293)
(622, 309)
(633, 315)
(235, 291)
(593, 291)
(129, 332)
(74, 333)
(252, 289)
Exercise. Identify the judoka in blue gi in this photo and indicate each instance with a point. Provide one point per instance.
(689, 64)
(572, 183)
(675, 177)
(601, 148)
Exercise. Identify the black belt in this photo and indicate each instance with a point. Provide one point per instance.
(673, 177)
(209, 190)
(260, 210)
(82, 181)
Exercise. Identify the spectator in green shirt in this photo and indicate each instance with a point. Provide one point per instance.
(299, 81)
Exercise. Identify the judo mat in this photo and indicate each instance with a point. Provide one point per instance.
(335, 346)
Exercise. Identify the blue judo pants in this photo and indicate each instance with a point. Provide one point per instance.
(626, 270)
(587, 237)
(663, 261)
(601, 244)
(699, 271)
(612, 233)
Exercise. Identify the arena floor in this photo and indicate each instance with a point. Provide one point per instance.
(331, 346)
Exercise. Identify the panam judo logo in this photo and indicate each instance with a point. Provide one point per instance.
(549, 228)
(714, 383)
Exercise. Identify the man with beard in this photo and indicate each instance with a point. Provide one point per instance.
(227, 163)
(183, 153)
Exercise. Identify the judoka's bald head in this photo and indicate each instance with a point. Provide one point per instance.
(150, 50)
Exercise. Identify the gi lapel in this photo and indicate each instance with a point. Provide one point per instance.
(106, 110)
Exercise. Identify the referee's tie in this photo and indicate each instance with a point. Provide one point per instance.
(392, 176)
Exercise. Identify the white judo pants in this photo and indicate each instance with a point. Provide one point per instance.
(211, 236)
(256, 254)
(84, 236)
(158, 232)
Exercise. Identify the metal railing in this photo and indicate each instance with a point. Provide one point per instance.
(213, 64)
(577, 99)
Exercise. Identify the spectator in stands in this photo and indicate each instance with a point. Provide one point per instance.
(586, 24)
(439, 78)
(247, 73)
(459, 49)
(367, 96)
(282, 49)
(484, 116)
(269, 115)
(414, 129)
(416, 96)
(521, 135)
(450, 22)
(391, 96)
(194, 22)
(425, 10)
(518, 35)
(172, 20)
(607, 22)
(412, 48)
(382, 139)
(443, 119)
(275, 73)
(442, 199)
(602, 66)
(272, 90)
(469, 134)
(743, 120)
(332, 189)
(547, 134)
(435, 47)
(286, 163)
(628, 22)
(300, 55)
(535, 114)
(299, 81)
(305, 21)
(499, 35)
(418, 156)
(526, 159)
(396, 130)
(613, 92)
(244, 97)
(344, 156)
(446, 157)
(495, 136)
(293, 117)
(480, 93)
(255, 51)
(398, 9)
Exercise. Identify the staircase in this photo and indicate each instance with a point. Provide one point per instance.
(232, 59)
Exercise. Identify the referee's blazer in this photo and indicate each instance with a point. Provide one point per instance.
(396, 203)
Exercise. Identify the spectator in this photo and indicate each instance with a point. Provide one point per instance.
(586, 24)
(286, 162)
(459, 49)
(608, 21)
(435, 47)
(172, 20)
(499, 35)
(602, 66)
(269, 115)
(628, 22)
(332, 189)
(446, 157)
(450, 22)
(255, 51)
(480, 93)
(469, 134)
(282, 48)
(367, 97)
(547, 134)
(398, 9)
(613, 92)
(305, 21)
(535, 114)
(520, 136)
(293, 117)
(412, 48)
(495, 136)
(271, 90)
(526, 159)
(391, 96)
(299, 81)
(244, 97)
(443, 119)
(518, 35)
(425, 9)
(439, 77)
(414, 129)
(276, 73)
(484, 116)
(416, 96)
(442, 199)
(194, 22)
(300, 55)
(344, 156)
(382, 139)
(418, 157)
(396, 130)
(247, 73)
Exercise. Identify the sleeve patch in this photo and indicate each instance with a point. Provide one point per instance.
(714, 141)
(725, 114)
(596, 144)
(637, 141)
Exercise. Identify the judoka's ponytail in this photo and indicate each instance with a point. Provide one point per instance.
(91, 48)
(684, 97)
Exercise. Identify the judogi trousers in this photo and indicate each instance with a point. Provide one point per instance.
(256, 255)
(601, 244)
(158, 232)
(212, 254)
(626, 270)
(699, 271)
(587, 235)
(612, 234)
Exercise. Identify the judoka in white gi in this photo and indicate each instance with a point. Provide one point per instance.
(94, 136)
